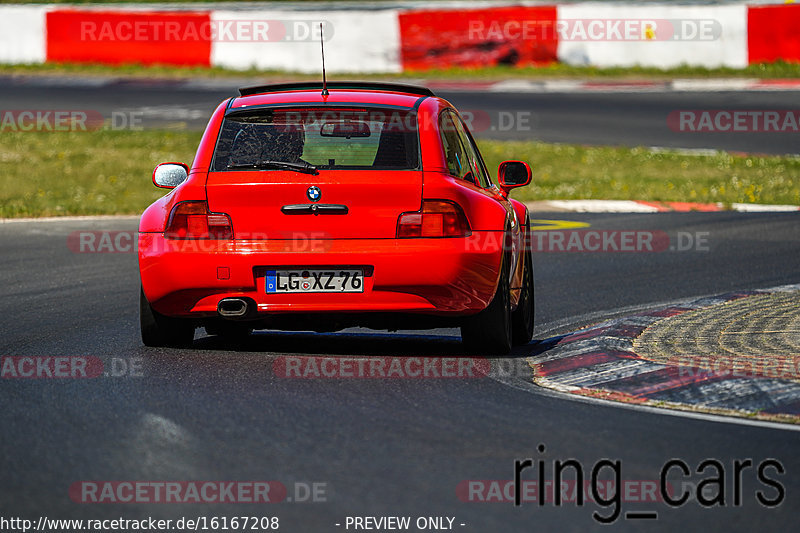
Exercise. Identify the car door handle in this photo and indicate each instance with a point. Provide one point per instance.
(314, 209)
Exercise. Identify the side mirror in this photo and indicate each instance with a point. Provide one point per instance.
(170, 175)
(512, 174)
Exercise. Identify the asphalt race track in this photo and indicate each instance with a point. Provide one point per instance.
(632, 119)
(398, 447)
(385, 447)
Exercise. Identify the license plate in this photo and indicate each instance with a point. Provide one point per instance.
(315, 280)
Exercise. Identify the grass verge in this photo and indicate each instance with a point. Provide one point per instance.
(85, 173)
(108, 172)
(778, 70)
(563, 171)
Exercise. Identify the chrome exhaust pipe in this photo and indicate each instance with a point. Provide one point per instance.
(232, 307)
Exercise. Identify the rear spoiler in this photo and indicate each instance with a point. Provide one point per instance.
(366, 85)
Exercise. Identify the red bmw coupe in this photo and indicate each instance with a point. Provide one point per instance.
(317, 209)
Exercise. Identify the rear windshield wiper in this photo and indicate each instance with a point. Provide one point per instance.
(300, 167)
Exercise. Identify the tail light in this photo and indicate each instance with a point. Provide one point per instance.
(437, 218)
(192, 220)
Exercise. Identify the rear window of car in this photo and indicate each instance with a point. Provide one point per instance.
(346, 138)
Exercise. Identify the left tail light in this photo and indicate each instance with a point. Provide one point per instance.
(437, 218)
(192, 220)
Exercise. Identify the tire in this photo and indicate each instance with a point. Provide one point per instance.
(159, 330)
(490, 330)
(522, 317)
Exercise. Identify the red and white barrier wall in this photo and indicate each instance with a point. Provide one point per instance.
(396, 40)
(22, 34)
(724, 46)
(436, 38)
(357, 41)
(773, 33)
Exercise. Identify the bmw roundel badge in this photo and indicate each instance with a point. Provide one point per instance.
(313, 193)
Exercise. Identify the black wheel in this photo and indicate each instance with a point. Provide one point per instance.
(522, 317)
(490, 330)
(160, 330)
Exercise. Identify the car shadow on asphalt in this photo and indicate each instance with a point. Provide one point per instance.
(270, 353)
(350, 342)
(345, 343)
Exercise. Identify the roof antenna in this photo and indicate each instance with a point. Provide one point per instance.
(322, 47)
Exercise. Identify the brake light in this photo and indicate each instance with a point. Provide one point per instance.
(192, 220)
(437, 218)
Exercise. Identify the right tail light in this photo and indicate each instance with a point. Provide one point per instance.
(437, 218)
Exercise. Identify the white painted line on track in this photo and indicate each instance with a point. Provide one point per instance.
(707, 417)
(579, 322)
(602, 206)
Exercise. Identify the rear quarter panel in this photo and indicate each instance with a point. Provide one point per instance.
(154, 218)
(483, 207)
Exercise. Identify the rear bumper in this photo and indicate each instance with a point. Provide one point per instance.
(449, 276)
